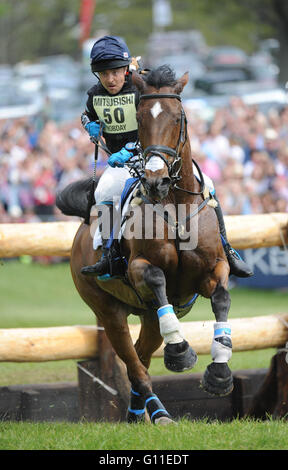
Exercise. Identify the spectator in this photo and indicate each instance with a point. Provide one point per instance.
(244, 152)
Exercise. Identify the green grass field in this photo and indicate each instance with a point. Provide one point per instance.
(34, 295)
(185, 435)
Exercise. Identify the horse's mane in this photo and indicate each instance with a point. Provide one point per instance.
(161, 76)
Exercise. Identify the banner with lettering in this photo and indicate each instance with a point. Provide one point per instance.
(270, 267)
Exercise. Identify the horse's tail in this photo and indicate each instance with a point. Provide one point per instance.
(76, 198)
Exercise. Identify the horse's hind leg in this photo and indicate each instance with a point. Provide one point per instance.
(142, 395)
(148, 342)
(217, 379)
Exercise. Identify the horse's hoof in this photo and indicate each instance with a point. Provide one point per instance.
(179, 357)
(164, 420)
(215, 383)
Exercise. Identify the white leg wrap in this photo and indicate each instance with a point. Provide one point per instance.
(170, 327)
(221, 349)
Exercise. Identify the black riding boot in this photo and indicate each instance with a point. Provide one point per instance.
(237, 266)
(103, 265)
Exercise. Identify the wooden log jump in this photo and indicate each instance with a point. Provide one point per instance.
(35, 239)
(79, 342)
(56, 238)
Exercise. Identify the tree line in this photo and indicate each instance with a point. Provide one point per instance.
(34, 28)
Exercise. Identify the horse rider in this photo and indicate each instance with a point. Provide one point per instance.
(112, 104)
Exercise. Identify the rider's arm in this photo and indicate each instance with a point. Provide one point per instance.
(89, 114)
(89, 119)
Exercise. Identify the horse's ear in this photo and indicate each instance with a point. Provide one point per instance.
(181, 82)
(138, 81)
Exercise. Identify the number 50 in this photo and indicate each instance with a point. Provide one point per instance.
(118, 114)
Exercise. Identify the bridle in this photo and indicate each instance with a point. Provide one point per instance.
(159, 150)
(174, 172)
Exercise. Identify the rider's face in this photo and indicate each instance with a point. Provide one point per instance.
(113, 80)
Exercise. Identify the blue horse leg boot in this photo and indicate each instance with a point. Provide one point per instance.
(103, 265)
(237, 266)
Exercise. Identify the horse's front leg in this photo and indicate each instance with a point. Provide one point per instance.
(218, 379)
(149, 279)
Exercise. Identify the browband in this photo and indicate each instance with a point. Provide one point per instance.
(160, 95)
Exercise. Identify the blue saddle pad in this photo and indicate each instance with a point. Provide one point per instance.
(128, 188)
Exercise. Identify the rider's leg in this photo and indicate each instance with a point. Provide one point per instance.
(108, 191)
(102, 266)
(237, 266)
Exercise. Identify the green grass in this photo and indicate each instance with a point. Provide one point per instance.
(35, 295)
(185, 435)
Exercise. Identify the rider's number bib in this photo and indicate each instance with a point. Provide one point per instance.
(117, 112)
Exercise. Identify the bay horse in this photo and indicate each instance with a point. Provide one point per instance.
(160, 275)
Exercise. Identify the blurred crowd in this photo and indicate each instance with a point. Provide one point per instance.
(243, 150)
(36, 161)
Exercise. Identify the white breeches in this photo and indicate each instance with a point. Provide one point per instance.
(112, 183)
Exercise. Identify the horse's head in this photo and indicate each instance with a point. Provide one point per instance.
(161, 128)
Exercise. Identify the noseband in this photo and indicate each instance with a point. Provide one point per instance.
(159, 150)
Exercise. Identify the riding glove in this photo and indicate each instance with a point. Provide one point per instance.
(121, 157)
(93, 128)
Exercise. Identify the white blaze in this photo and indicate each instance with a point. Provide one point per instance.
(156, 110)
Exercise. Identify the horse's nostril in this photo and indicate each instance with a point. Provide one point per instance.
(166, 181)
(156, 187)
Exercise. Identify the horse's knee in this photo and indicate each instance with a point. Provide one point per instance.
(155, 280)
(154, 276)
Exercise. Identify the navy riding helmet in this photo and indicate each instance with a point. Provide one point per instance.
(109, 52)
